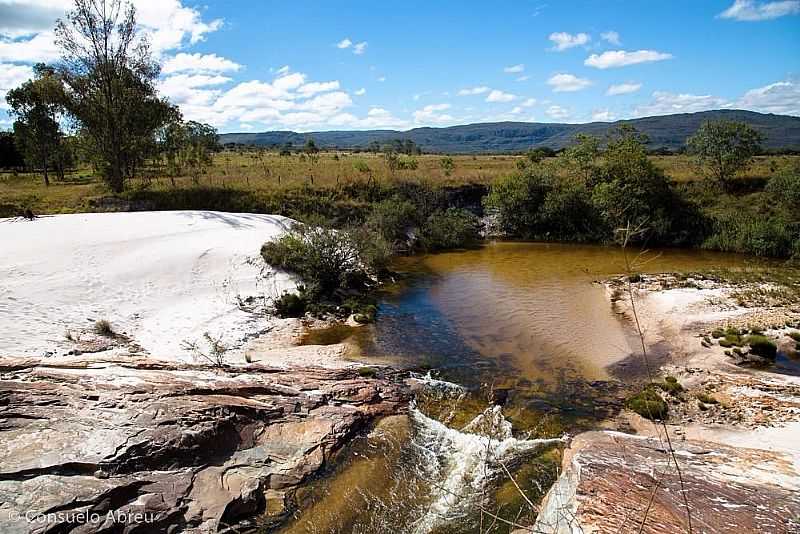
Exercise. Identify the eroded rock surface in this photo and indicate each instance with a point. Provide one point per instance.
(614, 482)
(188, 448)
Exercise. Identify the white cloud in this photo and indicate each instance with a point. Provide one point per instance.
(344, 43)
(567, 83)
(664, 103)
(622, 58)
(12, 76)
(167, 24)
(198, 63)
(603, 115)
(430, 114)
(499, 96)
(611, 37)
(780, 97)
(283, 70)
(623, 89)
(557, 112)
(40, 47)
(479, 90)
(563, 40)
(514, 69)
(382, 79)
(529, 103)
(376, 118)
(523, 78)
(360, 48)
(360, 92)
(750, 10)
(313, 88)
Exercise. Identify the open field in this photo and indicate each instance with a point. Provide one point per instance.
(269, 172)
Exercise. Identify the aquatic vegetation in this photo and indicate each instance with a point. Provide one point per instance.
(648, 403)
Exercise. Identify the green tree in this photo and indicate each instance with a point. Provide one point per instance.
(724, 148)
(583, 155)
(311, 151)
(38, 106)
(109, 71)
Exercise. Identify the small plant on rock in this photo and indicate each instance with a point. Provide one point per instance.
(102, 327)
(216, 353)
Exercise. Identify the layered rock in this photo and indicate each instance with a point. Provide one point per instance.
(138, 445)
(614, 482)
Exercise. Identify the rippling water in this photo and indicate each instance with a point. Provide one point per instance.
(521, 324)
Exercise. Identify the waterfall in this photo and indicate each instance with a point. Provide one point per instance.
(459, 464)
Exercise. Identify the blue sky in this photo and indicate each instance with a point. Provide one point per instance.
(253, 66)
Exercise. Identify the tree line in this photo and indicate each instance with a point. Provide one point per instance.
(103, 90)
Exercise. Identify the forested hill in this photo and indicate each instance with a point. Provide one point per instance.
(666, 131)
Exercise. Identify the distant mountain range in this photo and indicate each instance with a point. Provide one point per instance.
(666, 131)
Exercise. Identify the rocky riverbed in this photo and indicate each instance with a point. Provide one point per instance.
(94, 444)
(733, 428)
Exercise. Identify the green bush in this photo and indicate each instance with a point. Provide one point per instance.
(290, 305)
(670, 385)
(762, 346)
(392, 219)
(649, 404)
(328, 260)
(751, 233)
(454, 228)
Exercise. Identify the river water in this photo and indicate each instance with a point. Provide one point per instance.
(514, 345)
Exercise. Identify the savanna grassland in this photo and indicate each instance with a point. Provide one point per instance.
(268, 172)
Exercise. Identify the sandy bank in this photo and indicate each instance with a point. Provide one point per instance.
(160, 278)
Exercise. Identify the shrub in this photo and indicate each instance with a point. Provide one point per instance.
(670, 385)
(751, 233)
(762, 346)
(328, 260)
(392, 219)
(103, 327)
(454, 228)
(649, 404)
(705, 398)
(290, 305)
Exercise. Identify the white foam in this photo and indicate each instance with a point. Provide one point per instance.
(460, 463)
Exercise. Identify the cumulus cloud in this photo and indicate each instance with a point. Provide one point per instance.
(198, 63)
(563, 40)
(360, 48)
(603, 115)
(523, 78)
(40, 47)
(611, 37)
(562, 83)
(780, 97)
(665, 103)
(622, 58)
(430, 114)
(27, 36)
(376, 118)
(623, 88)
(557, 112)
(529, 103)
(496, 95)
(750, 10)
(514, 69)
(479, 90)
(360, 92)
(12, 76)
(344, 43)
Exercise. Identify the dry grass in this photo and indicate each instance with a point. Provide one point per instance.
(268, 171)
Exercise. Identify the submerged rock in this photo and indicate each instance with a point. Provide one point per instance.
(138, 445)
(608, 479)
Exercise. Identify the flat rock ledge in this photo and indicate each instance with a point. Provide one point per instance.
(608, 479)
(94, 445)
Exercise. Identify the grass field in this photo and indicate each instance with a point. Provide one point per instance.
(269, 172)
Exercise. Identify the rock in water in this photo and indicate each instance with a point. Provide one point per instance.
(608, 479)
(163, 446)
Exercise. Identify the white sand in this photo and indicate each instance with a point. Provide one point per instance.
(160, 277)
